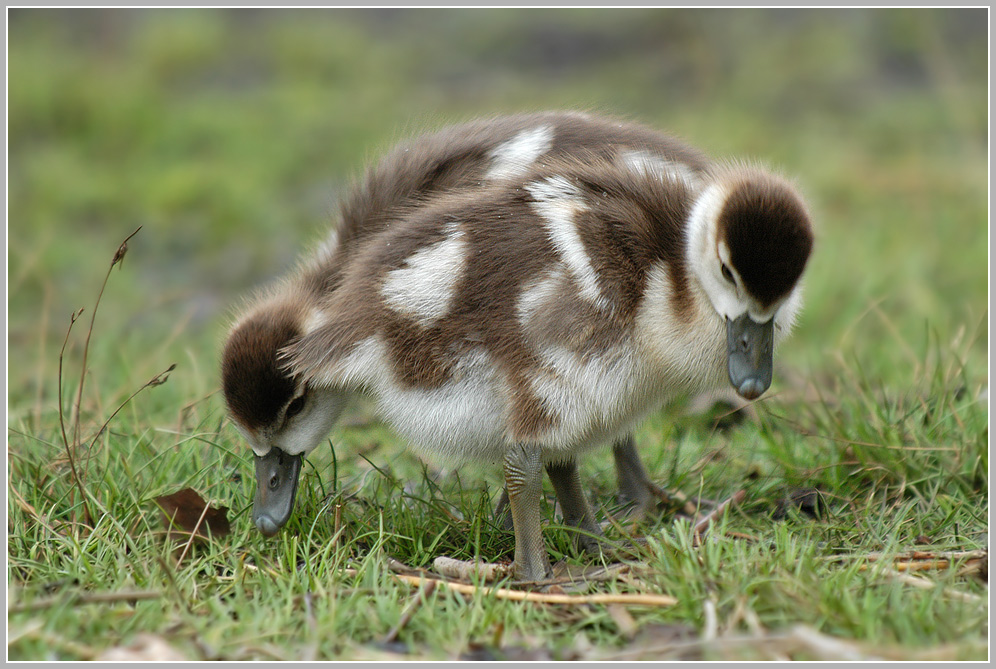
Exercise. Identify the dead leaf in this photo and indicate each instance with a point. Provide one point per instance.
(187, 511)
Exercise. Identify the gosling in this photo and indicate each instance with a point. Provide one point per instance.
(526, 321)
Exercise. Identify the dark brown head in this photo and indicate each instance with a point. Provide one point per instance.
(279, 415)
(766, 229)
(750, 238)
(255, 385)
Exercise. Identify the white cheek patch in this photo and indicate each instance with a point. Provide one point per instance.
(423, 289)
(306, 430)
(515, 156)
(557, 203)
(705, 253)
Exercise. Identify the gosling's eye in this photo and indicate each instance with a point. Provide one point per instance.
(728, 275)
(295, 407)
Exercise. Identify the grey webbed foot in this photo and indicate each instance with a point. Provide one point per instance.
(524, 484)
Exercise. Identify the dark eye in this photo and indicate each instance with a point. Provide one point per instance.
(294, 408)
(728, 275)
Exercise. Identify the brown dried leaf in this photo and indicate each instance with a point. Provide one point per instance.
(187, 511)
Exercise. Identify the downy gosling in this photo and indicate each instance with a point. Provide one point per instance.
(527, 320)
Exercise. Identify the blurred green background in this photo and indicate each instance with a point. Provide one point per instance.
(229, 135)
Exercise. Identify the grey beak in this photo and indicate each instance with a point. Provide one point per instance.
(276, 484)
(750, 347)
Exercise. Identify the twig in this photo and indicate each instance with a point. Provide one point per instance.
(637, 599)
(703, 523)
(424, 592)
(614, 572)
(86, 598)
(469, 571)
(917, 560)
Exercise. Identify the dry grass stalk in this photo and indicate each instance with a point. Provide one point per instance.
(156, 380)
(118, 257)
(336, 526)
(27, 508)
(193, 534)
(70, 448)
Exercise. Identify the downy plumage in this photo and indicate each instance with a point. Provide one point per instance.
(599, 270)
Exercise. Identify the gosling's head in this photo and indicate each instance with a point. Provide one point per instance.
(749, 240)
(278, 414)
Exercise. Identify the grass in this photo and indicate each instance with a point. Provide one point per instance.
(228, 136)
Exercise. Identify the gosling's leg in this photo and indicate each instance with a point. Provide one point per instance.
(631, 475)
(634, 484)
(574, 503)
(524, 484)
(636, 487)
(503, 516)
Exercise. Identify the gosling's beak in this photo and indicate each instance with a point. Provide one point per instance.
(750, 345)
(276, 485)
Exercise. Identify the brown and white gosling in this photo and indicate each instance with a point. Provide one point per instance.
(525, 322)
